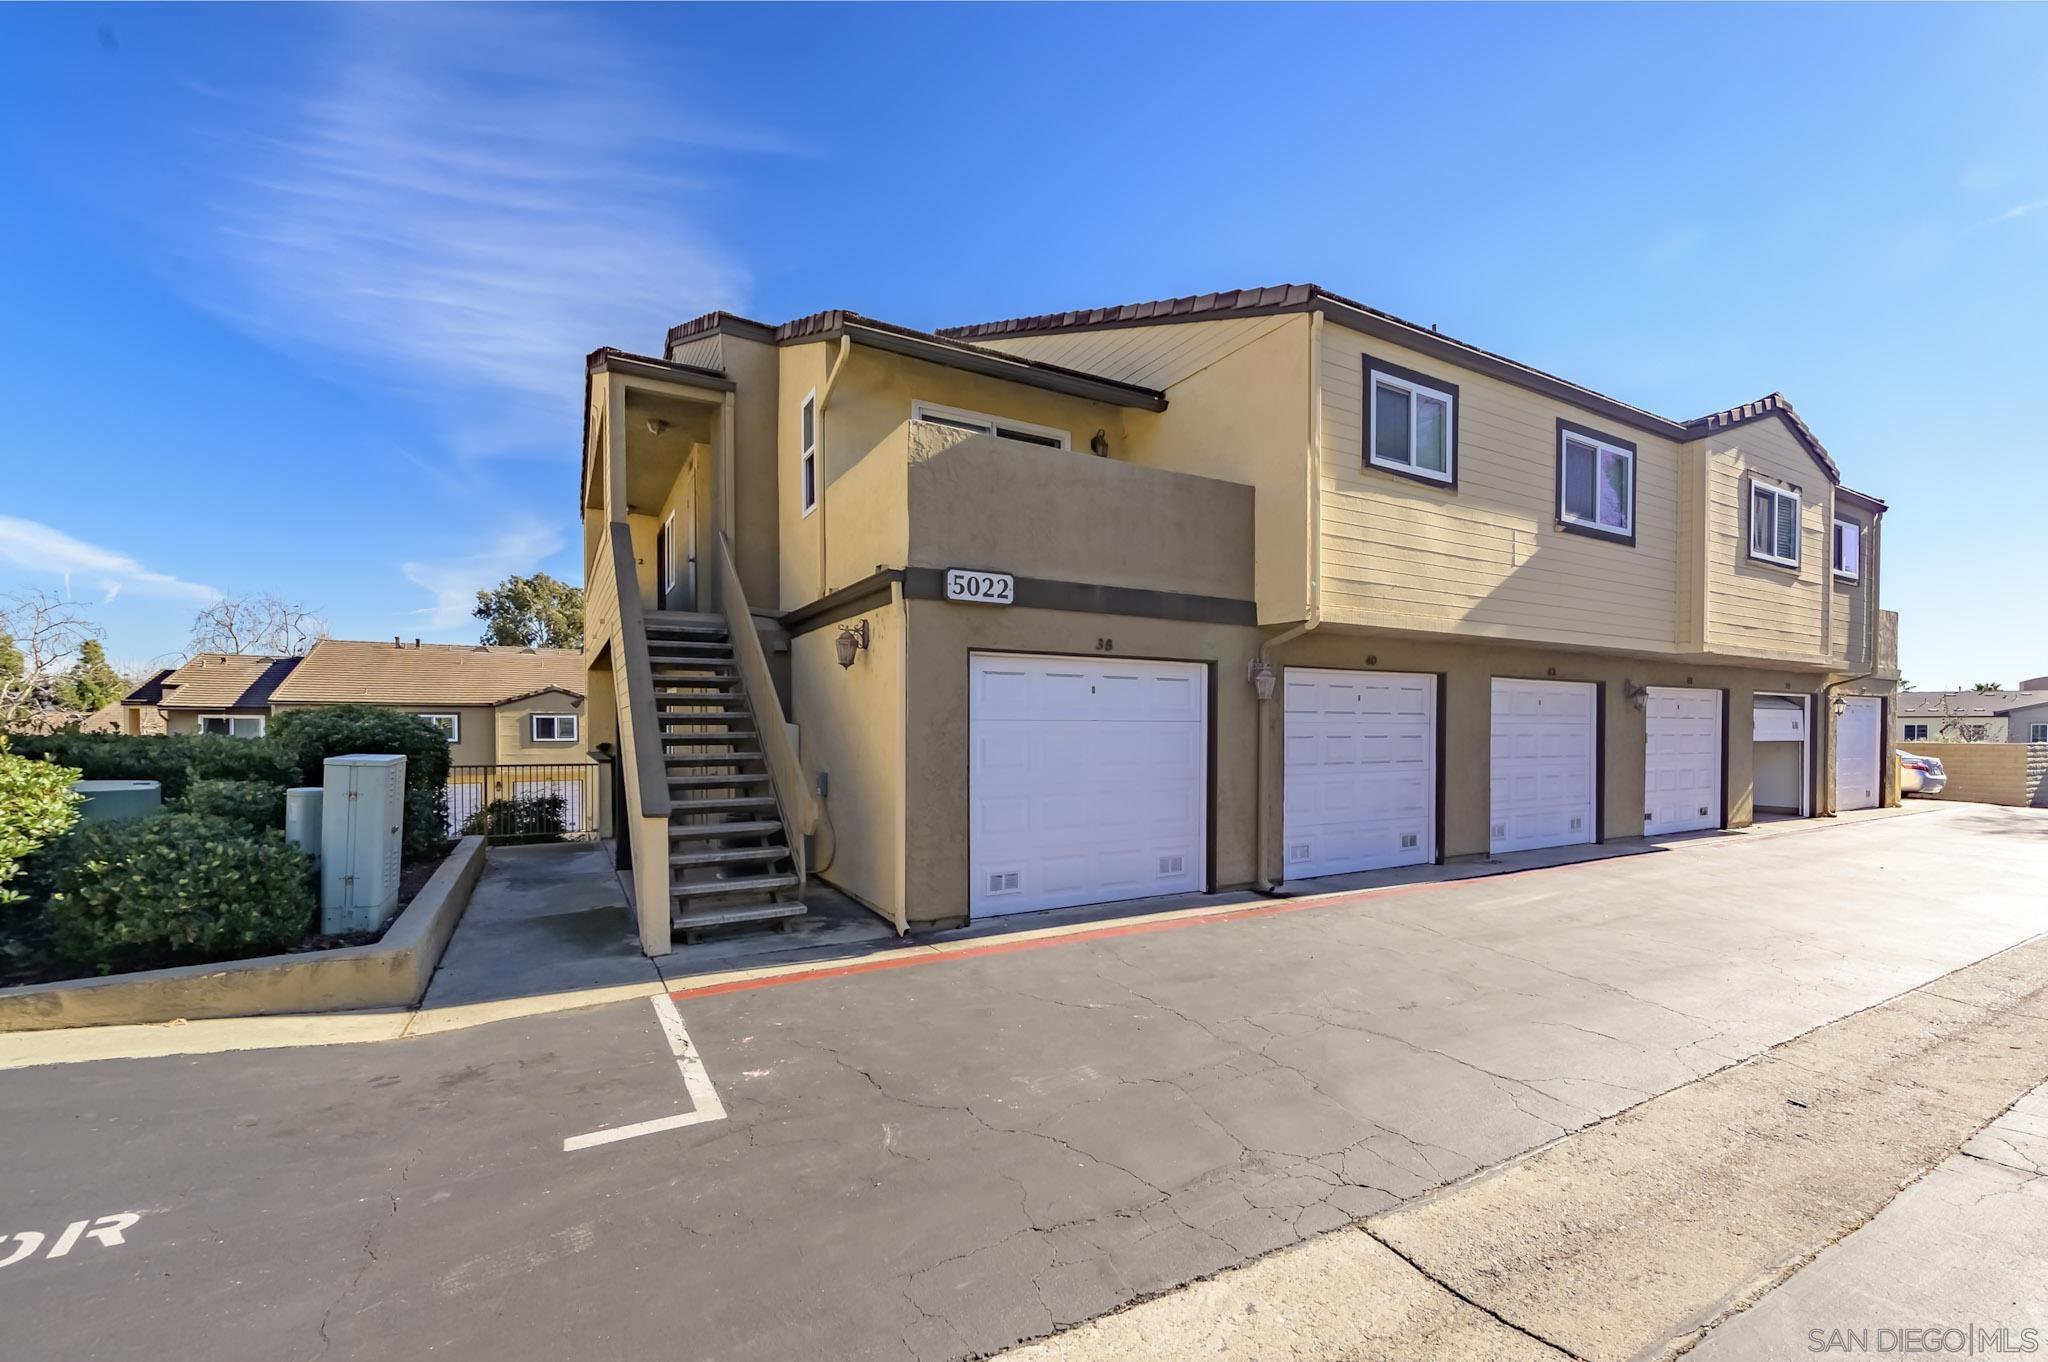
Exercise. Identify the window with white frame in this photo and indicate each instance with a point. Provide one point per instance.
(1915, 732)
(1773, 524)
(232, 725)
(554, 728)
(1848, 549)
(449, 724)
(2037, 732)
(1596, 482)
(807, 462)
(1411, 423)
(953, 417)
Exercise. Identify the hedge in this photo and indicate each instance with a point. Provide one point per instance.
(37, 806)
(172, 761)
(311, 736)
(178, 888)
(255, 804)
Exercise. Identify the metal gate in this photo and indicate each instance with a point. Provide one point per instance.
(555, 802)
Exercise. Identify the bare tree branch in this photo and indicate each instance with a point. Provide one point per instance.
(264, 624)
(41, 635)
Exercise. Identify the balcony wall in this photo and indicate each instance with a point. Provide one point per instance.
(1006, 506)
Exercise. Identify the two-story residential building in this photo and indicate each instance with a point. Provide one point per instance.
(1222, 591)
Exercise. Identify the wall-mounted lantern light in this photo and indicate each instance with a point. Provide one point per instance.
(1260, 673)
(852, 639)
(1638, 694)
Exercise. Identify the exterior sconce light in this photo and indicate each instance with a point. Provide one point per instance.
(1099, 446)
(1638, 694)
(1260, 673)
(852, 638)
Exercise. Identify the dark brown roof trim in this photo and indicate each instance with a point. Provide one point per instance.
(726, 323)
(1863, 499)
(150, 692)
(1283, 298)
(1773, 404)
(902, 340)
(646, 366)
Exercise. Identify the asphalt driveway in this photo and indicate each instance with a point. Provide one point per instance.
(941, 1160)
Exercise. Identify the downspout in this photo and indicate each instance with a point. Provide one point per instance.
(824, 397)
(1265, 883)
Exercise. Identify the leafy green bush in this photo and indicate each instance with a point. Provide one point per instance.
(215, 756)
(311, 736)
(178, 887)
(173, 762)
(37, 806)
(529, 818)
(255, 804)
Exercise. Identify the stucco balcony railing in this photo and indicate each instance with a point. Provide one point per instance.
(978, 501)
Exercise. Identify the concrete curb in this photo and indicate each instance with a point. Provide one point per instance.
(392, 972)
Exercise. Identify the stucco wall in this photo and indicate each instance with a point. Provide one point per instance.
(936, 699)
(977, 501)
(850, 729)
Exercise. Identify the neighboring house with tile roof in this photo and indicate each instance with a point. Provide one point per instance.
(227, 693)
(1192, 594)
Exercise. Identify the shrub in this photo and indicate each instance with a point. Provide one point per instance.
(532, 818)
(255, 804)
(180, 887)
(215, 756)
(311, 736)
(37, 806)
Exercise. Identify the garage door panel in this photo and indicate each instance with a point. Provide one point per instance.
(1088, 781)
(1544, 738)
(1859, 750)
(1359, 783)
(1681, 761)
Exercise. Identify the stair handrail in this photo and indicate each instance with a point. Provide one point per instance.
(785, 771)
(648, 765)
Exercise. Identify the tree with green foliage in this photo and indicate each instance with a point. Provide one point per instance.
(1987, 688)
(92, 682)
(532, 612)
(37, 806)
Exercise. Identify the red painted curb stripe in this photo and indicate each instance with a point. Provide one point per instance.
(925, 957)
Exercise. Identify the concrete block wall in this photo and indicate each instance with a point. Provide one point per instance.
(2013, 773)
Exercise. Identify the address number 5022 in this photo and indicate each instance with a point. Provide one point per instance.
(981, 588)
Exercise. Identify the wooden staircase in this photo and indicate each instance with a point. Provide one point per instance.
(730, 859)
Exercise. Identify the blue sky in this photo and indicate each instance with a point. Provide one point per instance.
(294, 299)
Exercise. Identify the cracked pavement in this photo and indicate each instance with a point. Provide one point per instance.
(942, 1161)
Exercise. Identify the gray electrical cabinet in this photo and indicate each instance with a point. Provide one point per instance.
(109, 800)
(362, 817)
(302, 818)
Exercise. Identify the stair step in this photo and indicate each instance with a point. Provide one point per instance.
(738, 827)
(723, 804)
(675, 759)
(723, 736)
(709, 716)
(687, 647)
(684, 702)
(738, 884)
(727, 856)
(698, 685)
(716, 782)
(688, 631)
(727, 917)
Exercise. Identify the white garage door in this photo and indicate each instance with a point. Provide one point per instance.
(1087, 781)
(1858, 745)
(1543, 764)
(1681, 760)
(1360, 783)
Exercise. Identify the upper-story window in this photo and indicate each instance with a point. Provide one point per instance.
(449, 724)
(1848, 549)
(1411, 423)
(1596, 482)
(933, 414)
(554, 728)
(1773, 524)
(807, 462)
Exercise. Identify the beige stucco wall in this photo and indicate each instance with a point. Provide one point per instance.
(850, 729)
(1487, 559)
(1754, 608)
(941, 637)
(1238, 410)
(1988, 773)
(977, 501)
(755, 367)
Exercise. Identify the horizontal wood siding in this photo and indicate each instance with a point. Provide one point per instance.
(1487, 558)
(1849, 602)
(1757, 609)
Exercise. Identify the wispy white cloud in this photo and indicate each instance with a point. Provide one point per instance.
(2021, 210)
(454, 582)
(38, 548)
(471, 198)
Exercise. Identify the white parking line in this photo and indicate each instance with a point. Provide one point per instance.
(696, 1082)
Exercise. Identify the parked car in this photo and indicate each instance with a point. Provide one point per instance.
(1920, 775)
